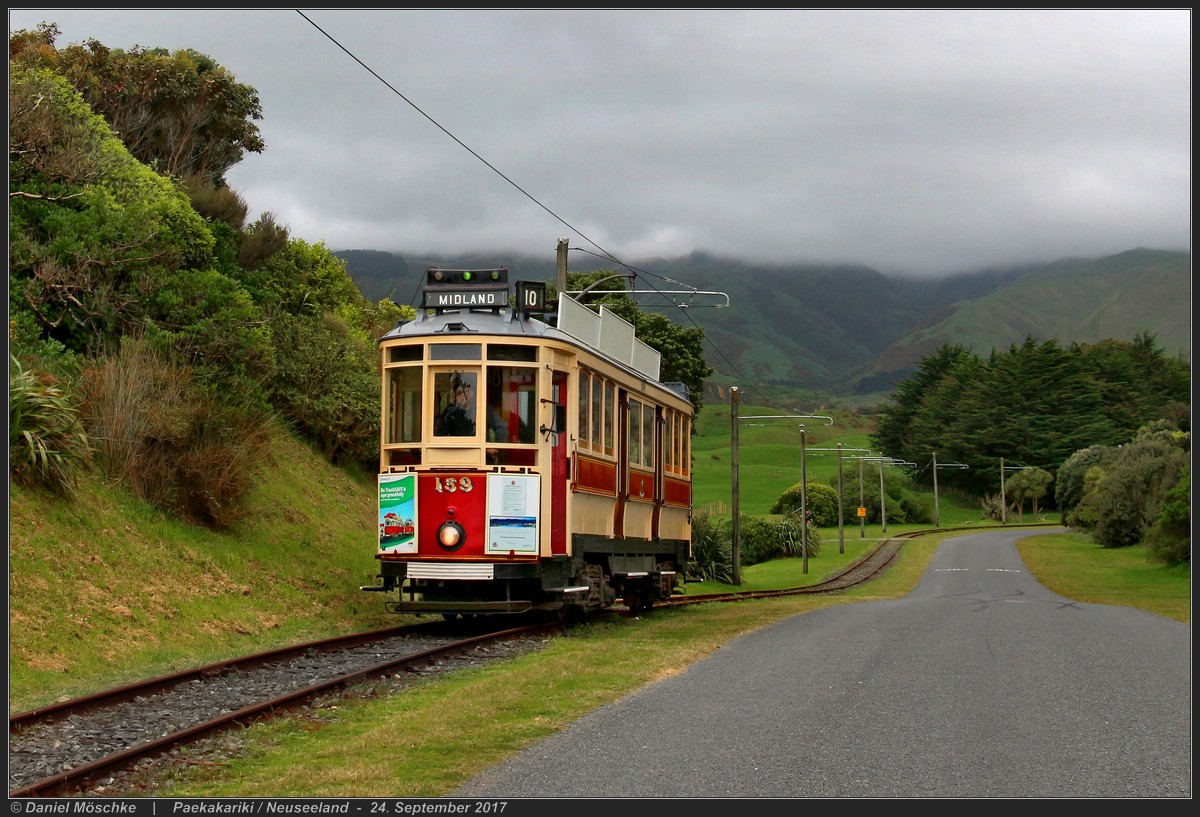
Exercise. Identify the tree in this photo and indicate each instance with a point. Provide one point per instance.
(682, 348)
(1069, 485)
(180, 113)
(895, 425)
(1125, 494)
(92, 231)
(1034, 404)
(1028, 483)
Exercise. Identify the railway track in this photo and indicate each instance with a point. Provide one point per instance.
(73, 747)
(68, 747)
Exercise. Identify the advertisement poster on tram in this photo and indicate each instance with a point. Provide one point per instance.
(397, 513)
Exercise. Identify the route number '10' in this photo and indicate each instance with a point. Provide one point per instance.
(531, 296)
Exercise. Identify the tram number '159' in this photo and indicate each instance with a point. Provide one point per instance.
(451, 484)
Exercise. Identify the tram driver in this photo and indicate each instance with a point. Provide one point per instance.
(458, 417)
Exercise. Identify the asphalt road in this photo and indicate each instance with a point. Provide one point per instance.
(981, 683)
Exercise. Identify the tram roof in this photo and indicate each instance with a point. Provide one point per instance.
(506, 321)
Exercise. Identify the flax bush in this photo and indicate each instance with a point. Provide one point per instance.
(47, 444)
(712, 551)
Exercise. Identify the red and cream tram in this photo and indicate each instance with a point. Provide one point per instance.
(534, 466)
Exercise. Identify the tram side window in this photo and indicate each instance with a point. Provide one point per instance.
(610, 399)
(685, 446)
(585, 385)
(597, 415)
(648, 436)
(635, 432)
(669, 451)
(403, 400)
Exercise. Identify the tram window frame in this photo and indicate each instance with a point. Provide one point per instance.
(405, 354)
(669, 440)
(403, 413)
(641, 451)
(512, 352)
(456, 351)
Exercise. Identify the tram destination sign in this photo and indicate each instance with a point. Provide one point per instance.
(475, 298)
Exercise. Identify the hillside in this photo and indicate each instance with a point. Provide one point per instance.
(846, 329)
(1071, 301)
(104, 585)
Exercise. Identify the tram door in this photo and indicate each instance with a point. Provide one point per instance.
(559, 475)
(622, 440)
(659, 470)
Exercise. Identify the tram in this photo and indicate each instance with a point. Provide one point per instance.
(528, 461)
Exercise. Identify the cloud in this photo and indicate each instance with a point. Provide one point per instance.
(914, 141)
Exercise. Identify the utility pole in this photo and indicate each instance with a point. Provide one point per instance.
(862, 520)
(803, 501)
(561, 281)
(841, 532)
(937, 516)
(1003, 503)
(734, 395)
(882, 498)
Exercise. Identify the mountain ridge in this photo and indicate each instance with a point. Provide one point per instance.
(848, 328)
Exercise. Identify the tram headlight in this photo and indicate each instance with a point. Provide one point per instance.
(451, 535)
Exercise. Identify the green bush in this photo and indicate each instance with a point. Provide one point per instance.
(821, 502)
(762, 540)
(1069, 488)
(1170, 539)
(1130, 496)
(47, 444)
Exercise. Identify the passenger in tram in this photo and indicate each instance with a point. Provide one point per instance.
(456, 417)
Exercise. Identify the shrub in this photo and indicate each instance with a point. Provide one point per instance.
(47, 444)
(1130, 496)
(821, 502)
(759, 541)
(797, 539)
(712, 551)
(993, 508)
(1170, 539)
(192, 454)
(762, 540)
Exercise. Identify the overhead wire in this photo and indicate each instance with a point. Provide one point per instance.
(603, 253)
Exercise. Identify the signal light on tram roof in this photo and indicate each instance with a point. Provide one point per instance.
(452, 277)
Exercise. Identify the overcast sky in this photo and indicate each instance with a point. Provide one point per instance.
(913, 141)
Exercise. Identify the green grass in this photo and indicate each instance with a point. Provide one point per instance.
(769, 456)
